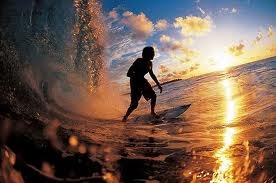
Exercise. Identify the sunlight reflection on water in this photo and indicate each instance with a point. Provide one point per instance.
(230, 111)
(224, 173)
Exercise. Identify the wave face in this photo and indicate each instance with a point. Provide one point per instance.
(49, 43)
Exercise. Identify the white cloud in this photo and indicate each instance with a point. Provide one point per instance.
(224, 10)
(228, 10)
(270, 31)
(201, 10)
(234, 10)
(164, 38)
(193, 26)
(127, 14)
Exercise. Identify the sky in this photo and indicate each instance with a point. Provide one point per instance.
(190, 37)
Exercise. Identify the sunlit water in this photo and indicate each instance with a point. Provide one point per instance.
(227, 135)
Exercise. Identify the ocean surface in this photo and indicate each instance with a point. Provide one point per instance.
(227, 135)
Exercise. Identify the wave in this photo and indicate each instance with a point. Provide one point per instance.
(53, 58)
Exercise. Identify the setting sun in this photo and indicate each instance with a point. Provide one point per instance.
(223, 60)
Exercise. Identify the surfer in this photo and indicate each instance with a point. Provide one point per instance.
(139, 85)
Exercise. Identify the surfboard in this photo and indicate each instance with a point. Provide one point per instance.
(165, 115)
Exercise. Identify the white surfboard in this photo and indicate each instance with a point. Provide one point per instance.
(165, 115)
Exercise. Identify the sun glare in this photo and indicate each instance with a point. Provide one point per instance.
(223, 60)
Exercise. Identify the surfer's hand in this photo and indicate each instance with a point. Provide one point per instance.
(160, 88)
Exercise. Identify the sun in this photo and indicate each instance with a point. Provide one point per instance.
(223, 60)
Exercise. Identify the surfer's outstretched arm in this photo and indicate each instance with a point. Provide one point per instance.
(152, 75)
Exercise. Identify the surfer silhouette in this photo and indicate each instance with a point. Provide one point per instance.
(139, 85)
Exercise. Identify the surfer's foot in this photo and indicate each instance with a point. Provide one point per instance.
(155, 115)
(124, 119)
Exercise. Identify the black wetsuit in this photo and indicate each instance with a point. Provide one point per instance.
(138, 84)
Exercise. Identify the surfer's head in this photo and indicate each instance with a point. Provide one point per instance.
(148, 53)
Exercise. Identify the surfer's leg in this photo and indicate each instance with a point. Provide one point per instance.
(135, 97)
(131, 108)
(149, 93)
(152, 104)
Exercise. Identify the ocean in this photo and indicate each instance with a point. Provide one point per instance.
(227, 135)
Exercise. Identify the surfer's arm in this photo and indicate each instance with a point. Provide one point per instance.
(152, 75)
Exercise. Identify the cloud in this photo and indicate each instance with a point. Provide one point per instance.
(194, 67)
(193, 26)
(122, 49)
(185, 60)
(270, 31)
(163, 69)
(237, 50)
(224, 10)
(180, 52)
(156, 51)
(172, 75)
(273, 50)
(171, 45)
(234, 10)
(228, 11)
(201, 10)
(113, 14)
(125, 48)
(122, 55)
(167, 76)
(259, 37)
(161, 24)
(140, 25)
(127, 14)
(165, 38)
(264, 35)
